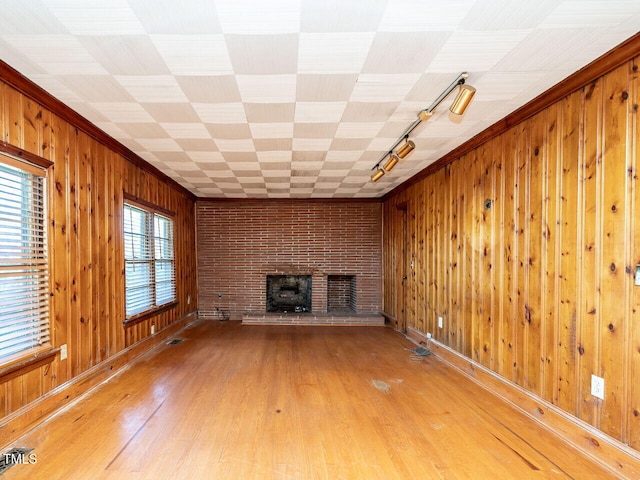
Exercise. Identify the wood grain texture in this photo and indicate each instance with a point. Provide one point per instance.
(86, 181)
(542, 284)
(239, 402)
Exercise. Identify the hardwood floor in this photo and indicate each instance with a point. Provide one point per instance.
(285, 402)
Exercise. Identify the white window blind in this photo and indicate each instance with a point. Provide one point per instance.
(149, 261)
(24, 275)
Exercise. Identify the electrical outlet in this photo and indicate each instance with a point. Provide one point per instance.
(429, 335)
(188, 299)
(63, 352)
(597, 387)
(153, 329)
(440, 322)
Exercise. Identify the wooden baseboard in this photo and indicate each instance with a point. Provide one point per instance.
(612, 454)
(26, 418)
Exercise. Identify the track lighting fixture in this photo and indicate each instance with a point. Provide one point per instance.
(393, 160)
(377, 175)
(407, 148)
(462, 100)
(458, 107)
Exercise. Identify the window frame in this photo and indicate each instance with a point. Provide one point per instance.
(154, 211)
(33, 356)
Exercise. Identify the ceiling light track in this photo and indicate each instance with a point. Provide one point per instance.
(458, 107)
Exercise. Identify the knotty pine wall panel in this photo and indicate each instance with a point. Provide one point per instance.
(540, 287)
(86, 185)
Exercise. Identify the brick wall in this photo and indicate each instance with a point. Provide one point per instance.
(239, 243)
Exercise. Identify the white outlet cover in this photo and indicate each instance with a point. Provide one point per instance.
(440, 322)
(428, 334)
(63, 352)
(153, 329)
(597, 387)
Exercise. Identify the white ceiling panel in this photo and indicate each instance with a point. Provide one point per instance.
(333, 52)
(96, 17)
(267, 88)
(299, 98)
(194, 54)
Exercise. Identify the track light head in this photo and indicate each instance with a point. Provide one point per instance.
(462, 100)
(378, 174)
(393, 160)
(406, 149)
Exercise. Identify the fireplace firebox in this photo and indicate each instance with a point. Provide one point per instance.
(289, 293)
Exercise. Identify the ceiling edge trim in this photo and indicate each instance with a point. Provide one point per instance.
(624, 52)
(19, 82)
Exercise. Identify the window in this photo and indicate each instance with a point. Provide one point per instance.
(24, 267)
(150, 280)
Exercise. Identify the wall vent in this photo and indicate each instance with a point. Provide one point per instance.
(175, 341)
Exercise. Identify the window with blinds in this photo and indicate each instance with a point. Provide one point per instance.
(24, 268)
(149, 262)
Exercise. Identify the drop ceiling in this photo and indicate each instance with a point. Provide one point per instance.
(298, 98)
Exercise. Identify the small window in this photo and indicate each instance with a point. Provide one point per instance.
(24, 266)
(150, 280)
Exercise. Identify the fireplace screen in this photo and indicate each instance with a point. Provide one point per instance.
(289, 293)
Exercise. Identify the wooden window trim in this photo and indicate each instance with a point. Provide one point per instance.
(135, 201)
(135, 319)
(25, 363)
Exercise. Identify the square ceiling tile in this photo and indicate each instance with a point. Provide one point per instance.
(358, 130)
(126, 55)
(404, 52)
(267, 88)
(333, 52)
(243, 145)
(325, 87)
(477, 51)
(169, 16)
(424, 15)
(172, 112)
(96, 88)
(159, 144)
(263, 18)
(341, 16)
(269, 112)
(96, 18)
(311, 144)
(56, 54)
(210, 89)
(153, 88)
(315, 130)
(369, 111)
(383, 87)
(263, 54)
(122, 112)
(273, 144)
(220, 112)
(271, 130)
(186, 130)
(194, 54)
(229, 131)
(325, 112)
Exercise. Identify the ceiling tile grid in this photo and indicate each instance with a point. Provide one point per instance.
(299, 98)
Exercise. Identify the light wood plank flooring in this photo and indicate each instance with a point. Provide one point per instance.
(263, 402)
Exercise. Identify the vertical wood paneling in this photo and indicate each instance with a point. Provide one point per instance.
(540, 288)
(535, 280)
(85, 191)
(590, 311)
(568, 226)
(613, 329)
(633, 410)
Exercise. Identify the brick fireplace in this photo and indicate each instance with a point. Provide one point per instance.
(336, 245)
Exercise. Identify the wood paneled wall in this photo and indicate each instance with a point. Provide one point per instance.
(86, 185)
(539, 287)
